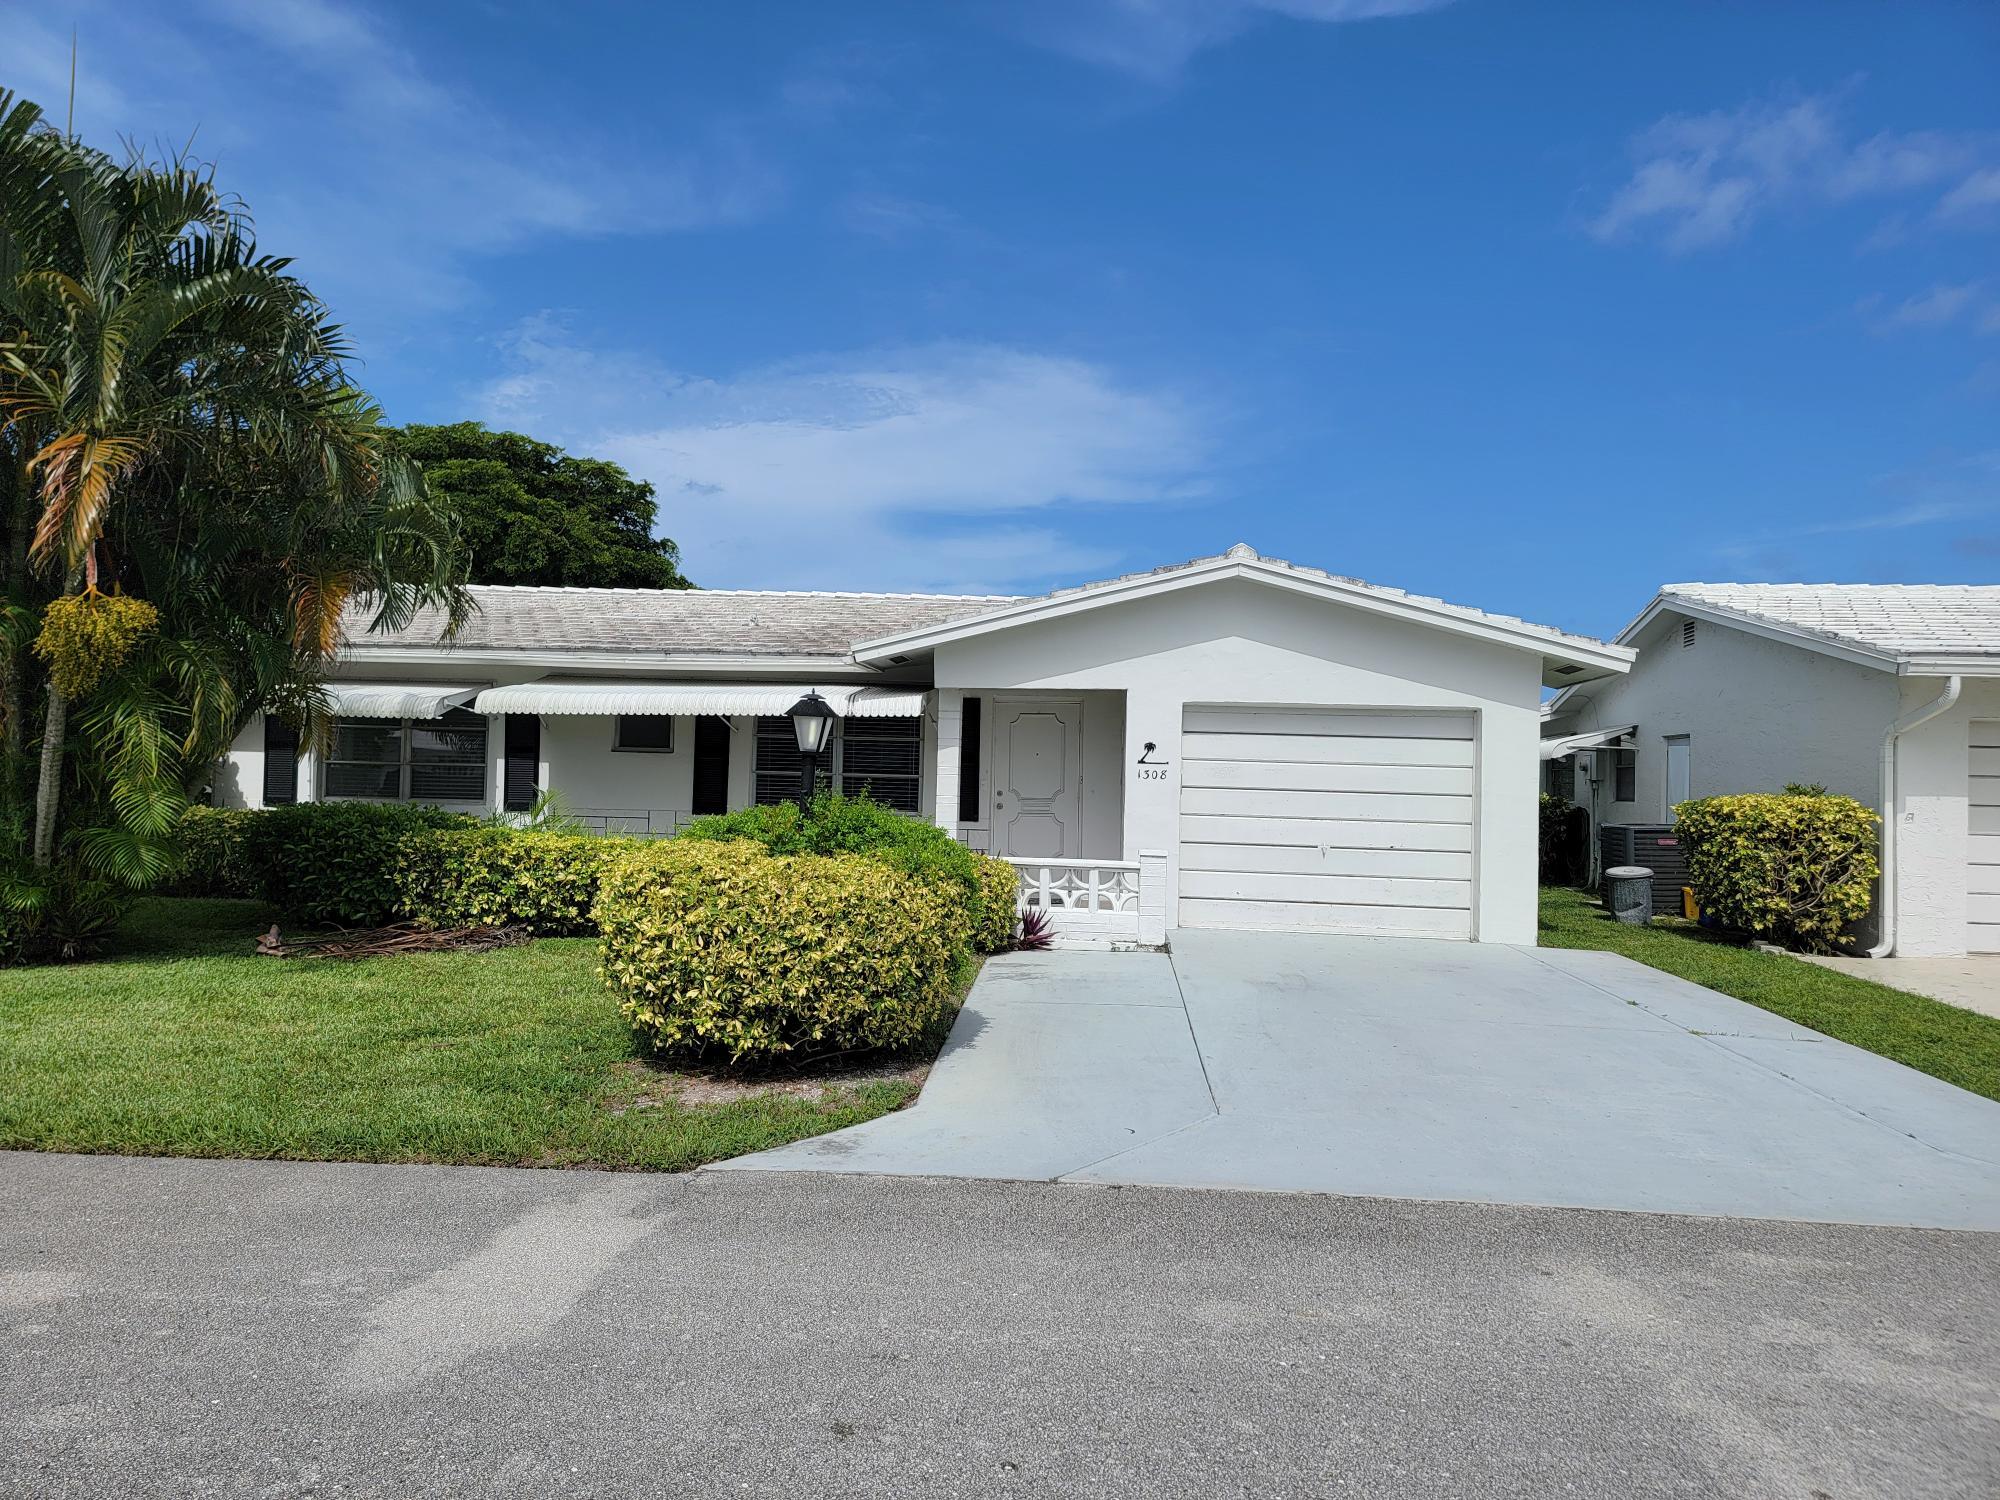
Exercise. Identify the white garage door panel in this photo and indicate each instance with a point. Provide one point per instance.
(1360, 749)
(1310, 859)
(1373, 806)
(1327, 821)
(1299, 776)
(1318, 833)
(1315, 721)
(1345, 890)
(1982, 852)
(1291, 916)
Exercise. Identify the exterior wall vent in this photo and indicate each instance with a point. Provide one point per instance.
(1687, 634)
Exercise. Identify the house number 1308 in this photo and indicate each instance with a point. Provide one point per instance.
(1152, 773)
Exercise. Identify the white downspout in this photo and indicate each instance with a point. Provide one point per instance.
(1897, 730)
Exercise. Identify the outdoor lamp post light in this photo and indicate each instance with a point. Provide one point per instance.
(812, 722)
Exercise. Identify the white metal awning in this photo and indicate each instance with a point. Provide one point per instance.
(395, 700)
(748, 698)
(1568, 744)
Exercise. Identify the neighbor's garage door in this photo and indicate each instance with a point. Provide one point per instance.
(1982, 863)
(1327, 820)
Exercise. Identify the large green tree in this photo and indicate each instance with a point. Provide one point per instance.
(532, 513)
(195, 498)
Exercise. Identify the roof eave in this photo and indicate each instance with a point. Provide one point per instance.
(1777, 630)
(1601, 658)
(650, 662)
(1949, 664)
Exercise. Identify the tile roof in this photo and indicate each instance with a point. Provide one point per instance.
(1899, 619)
(676, 622)
(1244, 552)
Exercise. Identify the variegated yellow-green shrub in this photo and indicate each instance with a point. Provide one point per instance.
(722, 949)
(994, 913)
(1795, 868)
(463, 877)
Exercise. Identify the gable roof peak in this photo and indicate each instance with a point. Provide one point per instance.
(1241, 550)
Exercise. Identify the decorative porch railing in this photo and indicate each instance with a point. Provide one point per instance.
(1103, 900)
(642, 822)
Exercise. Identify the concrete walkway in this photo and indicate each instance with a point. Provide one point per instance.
(1413, 1069)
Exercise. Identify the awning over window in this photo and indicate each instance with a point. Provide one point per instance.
(1568, 744)
(725, 698)
(396, 700)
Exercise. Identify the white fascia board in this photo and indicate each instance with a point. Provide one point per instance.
(1790, 635)
(1945, 664)
(626, 662)
(1529, 638)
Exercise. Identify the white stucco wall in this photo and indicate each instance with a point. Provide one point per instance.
(1235, 641)
(1932, 764)
(1760, 713)
(1757, 714)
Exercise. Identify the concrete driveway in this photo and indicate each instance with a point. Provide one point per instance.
(1414, 1069)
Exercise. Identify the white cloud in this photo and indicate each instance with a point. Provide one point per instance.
(1155, 38)
(940, 466)
(378, 178)
(1701, 180)
(1942, 306)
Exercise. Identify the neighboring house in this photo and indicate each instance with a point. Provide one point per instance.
(1887, 693)
(1231, 742)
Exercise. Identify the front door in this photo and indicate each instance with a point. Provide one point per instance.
(1037, 777)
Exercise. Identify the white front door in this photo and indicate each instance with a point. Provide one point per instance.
(1037, 777)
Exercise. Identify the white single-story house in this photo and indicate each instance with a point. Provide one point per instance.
(1230, 742)
(1887, 693)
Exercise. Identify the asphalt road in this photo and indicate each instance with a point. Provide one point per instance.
(182, 1328)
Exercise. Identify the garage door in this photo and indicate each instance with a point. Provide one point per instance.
(1327, 820)
(1982, 868)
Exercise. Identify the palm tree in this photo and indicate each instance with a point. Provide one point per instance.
(181, 427)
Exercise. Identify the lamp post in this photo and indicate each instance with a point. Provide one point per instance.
(812, 722)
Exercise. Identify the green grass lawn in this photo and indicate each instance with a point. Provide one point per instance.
(183, 1042)
(1959, 1046)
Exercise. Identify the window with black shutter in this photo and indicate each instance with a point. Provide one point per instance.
(968, 763)
(281, 762)
(882, 759)
(524, 762)
(777, 765)
(711, 765)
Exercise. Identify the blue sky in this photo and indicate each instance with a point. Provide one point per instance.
(1530, 305)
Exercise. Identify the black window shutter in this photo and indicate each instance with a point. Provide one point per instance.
(968, 763)
(520, 781)
(281, 762)
(711, 765)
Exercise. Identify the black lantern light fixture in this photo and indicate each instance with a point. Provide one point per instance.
(812, 722)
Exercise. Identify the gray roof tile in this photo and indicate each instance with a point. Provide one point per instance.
(677, 622)
(1901, 619)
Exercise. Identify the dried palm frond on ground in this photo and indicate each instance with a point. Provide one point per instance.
(403, 937)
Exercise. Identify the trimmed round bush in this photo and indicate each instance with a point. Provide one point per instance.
(210, 854)
(721, 949)
(1794, 867)
(335, 862)
(835, 824)
(465, 877)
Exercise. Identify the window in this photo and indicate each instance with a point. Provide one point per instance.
(409, 760)
(711, 765)
(281, 762)
(1678, 768)
(882, 757)
(778, 763)
(1625, 776)
(649, 732)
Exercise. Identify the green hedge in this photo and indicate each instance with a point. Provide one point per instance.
(461, 877)
(834, 824)
(1796, 868)
(335, 862)
(721, 949)
(211, 855)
